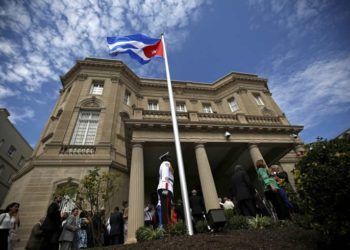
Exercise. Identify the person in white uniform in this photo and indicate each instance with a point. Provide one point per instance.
(165, 190)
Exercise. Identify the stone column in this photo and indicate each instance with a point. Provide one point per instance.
(136, 193)
(206, 178)
(255, 153)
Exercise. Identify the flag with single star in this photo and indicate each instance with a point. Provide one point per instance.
(140, 47)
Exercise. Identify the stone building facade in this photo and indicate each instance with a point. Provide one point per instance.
(107, 116)
(14, 151)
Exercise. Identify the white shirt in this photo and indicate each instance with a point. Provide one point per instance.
(228, 204)
(166, 177)
(6, 221)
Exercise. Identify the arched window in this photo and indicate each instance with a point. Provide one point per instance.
(69, 192)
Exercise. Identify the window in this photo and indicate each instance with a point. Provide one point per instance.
(11, 151)
(10, 178)
(233, 104)
(258, 99)
(21, 161)
(86, 127)
(59, 112)
(127, 97)
(96, 88)
(181, 107)
(207, 108)
(153, 105)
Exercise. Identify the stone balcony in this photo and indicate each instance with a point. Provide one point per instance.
(78, 149)
(215, 118)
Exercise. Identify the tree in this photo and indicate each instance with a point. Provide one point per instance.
(97, 189)
(323, 184)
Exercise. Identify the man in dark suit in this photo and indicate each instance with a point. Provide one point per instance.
(52, 225)
(117, 222)
(243, 191)
(197, 207)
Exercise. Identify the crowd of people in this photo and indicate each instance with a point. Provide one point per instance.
(82, 229)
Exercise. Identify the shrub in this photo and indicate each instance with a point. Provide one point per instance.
(237, 222)
(201, 226)
(322, 181)
(229, 213)
(148, 233)
(260, 222)
(302, 220)
(177, 229)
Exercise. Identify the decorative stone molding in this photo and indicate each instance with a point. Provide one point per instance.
(92, 102)
(242, 90)
(179, 91)
(115, 80)
(267, 112)
(82, 77)
(138, 96)
(193, 101)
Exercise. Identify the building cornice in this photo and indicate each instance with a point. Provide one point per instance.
(232, 77)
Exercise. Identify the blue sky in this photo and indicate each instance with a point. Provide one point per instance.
(301, 46)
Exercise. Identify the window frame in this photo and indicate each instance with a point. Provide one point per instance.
(258, 99)
(12, 152)
(127, 96)
(181, 104)
(230, 101)
(90, 121)
(99, 88)
(21, 161)
(153, 102)
(207, 108)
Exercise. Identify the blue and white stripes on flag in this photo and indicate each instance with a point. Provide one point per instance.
(138, 46)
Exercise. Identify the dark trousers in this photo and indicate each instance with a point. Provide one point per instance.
(50, 240)
(4, 233)
(247, 207)
(278, 203)
(114, 239)
(164, 211)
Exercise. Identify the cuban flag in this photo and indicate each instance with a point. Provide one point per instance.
(140, 47)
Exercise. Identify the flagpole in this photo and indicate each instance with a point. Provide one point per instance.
(182, 176)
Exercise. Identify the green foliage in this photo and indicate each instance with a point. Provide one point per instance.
(229, 213)
(260, 222)
(201, 226)
(177, 229)
(322, 181)
(97, 188)
(66, 189)
(148, 233)
(237, 222)
(302, 220)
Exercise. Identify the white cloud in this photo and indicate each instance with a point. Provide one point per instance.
(309, 95)
(46, 37)
(21, 115)
(7, 92)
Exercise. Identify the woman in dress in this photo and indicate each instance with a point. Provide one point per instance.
(82, 233)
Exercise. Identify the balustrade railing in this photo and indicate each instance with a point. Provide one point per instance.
(78, 149)
(163, 115)
(217, 118)
(252, 119)
(211, 117)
